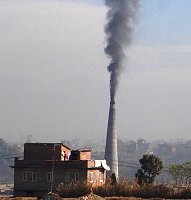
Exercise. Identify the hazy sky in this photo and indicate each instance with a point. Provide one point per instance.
(54, 82)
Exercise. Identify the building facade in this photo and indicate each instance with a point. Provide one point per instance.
(47, 165)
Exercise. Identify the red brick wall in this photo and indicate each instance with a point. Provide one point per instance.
(91, 163)
(96, 181)
(85, 155)
(43, 151)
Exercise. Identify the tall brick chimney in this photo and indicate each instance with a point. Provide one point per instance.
(111, 153)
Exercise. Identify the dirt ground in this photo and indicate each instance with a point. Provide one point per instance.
(82, 198)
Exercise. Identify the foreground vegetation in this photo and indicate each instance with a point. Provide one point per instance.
(124, 189)
(150, 167)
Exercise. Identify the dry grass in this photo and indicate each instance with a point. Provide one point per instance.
(121, 191)
(126, 191)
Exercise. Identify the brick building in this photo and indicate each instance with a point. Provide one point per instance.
(46, 165)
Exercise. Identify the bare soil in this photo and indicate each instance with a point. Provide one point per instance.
(81, 198)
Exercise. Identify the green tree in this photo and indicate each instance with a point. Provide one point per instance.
(151, 167)
(180, 173)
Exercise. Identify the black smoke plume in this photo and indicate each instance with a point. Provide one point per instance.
(121, 18)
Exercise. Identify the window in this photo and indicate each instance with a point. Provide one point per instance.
(33, 176)
(72, 176)
(29, 176)
(76, 176)
(49, 176)
(101, 176)
(25, 176)
(91, 177)
(67, 177)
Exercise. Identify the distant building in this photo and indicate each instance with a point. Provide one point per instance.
(165, 149)
(46, 165)
(127, 147)
(131, 147)
(142, 147)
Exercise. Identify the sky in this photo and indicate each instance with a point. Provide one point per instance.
(54, 82)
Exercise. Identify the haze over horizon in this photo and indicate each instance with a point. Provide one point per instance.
(54, 82)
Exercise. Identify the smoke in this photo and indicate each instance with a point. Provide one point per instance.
(121, 19)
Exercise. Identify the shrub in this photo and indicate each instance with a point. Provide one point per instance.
(76, 189)
(103, 191)
(122, 188)
(153, 191)
(185, 193)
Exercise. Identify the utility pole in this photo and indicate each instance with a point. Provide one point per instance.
(52, 171)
